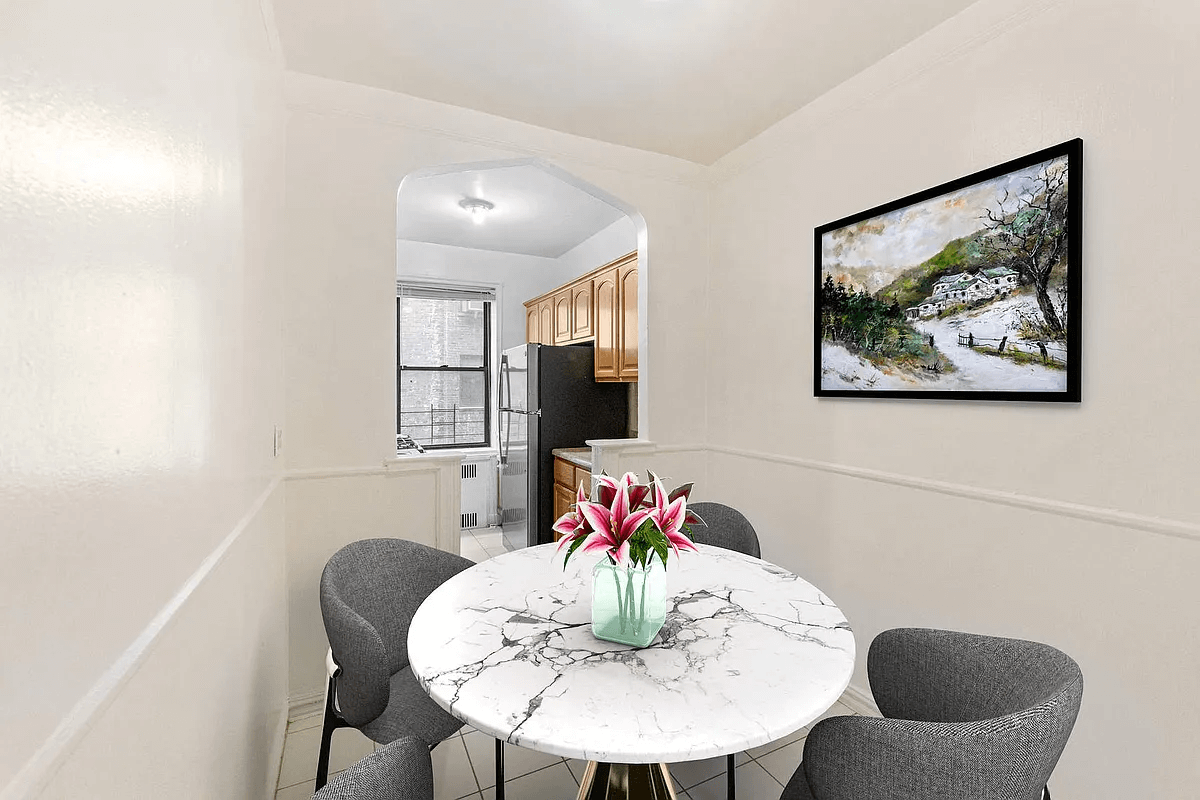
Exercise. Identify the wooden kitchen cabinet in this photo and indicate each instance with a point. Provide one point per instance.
(546, 321)
(564, 471)
(567, 477)
(616, 291)
(605, 292)
(585, 477)
(627, 322)
(562, 316)
(539, 321)
(533, 328)
(601, 307)
(581, 310)
(563, 498)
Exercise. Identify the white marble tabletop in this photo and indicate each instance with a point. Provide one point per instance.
(749, 653)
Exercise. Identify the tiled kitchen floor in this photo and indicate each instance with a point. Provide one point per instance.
(463, 765)
(479, 544)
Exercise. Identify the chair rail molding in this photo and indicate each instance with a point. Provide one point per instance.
(1109, 516)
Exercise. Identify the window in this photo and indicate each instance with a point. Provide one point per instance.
(443, 376)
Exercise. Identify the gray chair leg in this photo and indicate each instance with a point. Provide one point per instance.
(499, 770)
(729, 775)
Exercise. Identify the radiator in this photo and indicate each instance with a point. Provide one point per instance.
(479, 492)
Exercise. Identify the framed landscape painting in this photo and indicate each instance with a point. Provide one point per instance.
(969, 290)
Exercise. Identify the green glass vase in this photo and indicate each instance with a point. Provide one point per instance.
(629, 604)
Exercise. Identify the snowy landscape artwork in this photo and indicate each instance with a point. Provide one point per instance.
(968, 290)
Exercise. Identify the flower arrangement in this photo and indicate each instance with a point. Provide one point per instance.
(631, 522)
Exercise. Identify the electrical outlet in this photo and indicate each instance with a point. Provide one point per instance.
(278, 441)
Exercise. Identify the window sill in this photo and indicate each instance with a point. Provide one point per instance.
(457, 453)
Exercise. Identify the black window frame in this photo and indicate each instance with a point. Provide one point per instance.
(485, 369)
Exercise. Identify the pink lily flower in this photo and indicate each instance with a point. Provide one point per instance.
(609, 486)
(669, 516)
(630, 520)
(613, 524)
(606, 486)
(572, 524)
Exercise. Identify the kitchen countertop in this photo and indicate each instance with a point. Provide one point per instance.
(579, 456)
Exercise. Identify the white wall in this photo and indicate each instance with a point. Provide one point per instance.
(348, 149)
(414, 498)
(520, 277)
(142, 174)
(203, 716)
(1073, 525)
(604, 246)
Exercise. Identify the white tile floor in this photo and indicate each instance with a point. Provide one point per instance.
(463, 765)
(479, 544)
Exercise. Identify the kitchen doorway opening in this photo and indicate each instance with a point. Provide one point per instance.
(511, 230)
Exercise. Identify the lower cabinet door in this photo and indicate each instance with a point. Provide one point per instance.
(563, 498)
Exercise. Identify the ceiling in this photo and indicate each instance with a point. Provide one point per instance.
(535, 213)
(690, 78)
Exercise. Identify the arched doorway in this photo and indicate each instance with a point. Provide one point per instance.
(517, 229)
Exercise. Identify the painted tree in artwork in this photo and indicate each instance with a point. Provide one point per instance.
(1028, 232)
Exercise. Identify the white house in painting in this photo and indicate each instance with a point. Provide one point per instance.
(1002, 278)
(964, 287)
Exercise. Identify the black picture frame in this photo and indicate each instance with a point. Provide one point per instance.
(1026, 252)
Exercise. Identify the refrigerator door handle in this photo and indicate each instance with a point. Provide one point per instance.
(504, 392)
(504, 445)
(505, 405)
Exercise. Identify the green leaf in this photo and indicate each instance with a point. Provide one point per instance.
(571, 548)
(637, 551)
(662, 548)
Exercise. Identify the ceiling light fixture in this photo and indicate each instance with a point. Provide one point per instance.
(477, 207)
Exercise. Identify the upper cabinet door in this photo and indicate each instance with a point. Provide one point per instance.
(581, 310)
(562, 317)
(533, 333)
(627, 333)
(546, 321)
(605, 292)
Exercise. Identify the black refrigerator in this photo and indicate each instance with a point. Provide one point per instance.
(549, 398)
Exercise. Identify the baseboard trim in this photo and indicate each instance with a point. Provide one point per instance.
(1107, 516)
(860, 701)
(38, 771)
(306, 705)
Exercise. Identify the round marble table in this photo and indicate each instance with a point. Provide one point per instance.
(749, 653)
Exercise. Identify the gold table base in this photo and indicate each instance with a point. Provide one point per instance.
(604, 781)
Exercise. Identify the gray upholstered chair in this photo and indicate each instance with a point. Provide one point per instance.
(964, 716)
(725, 527)
(370, 591)
(401, 770)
